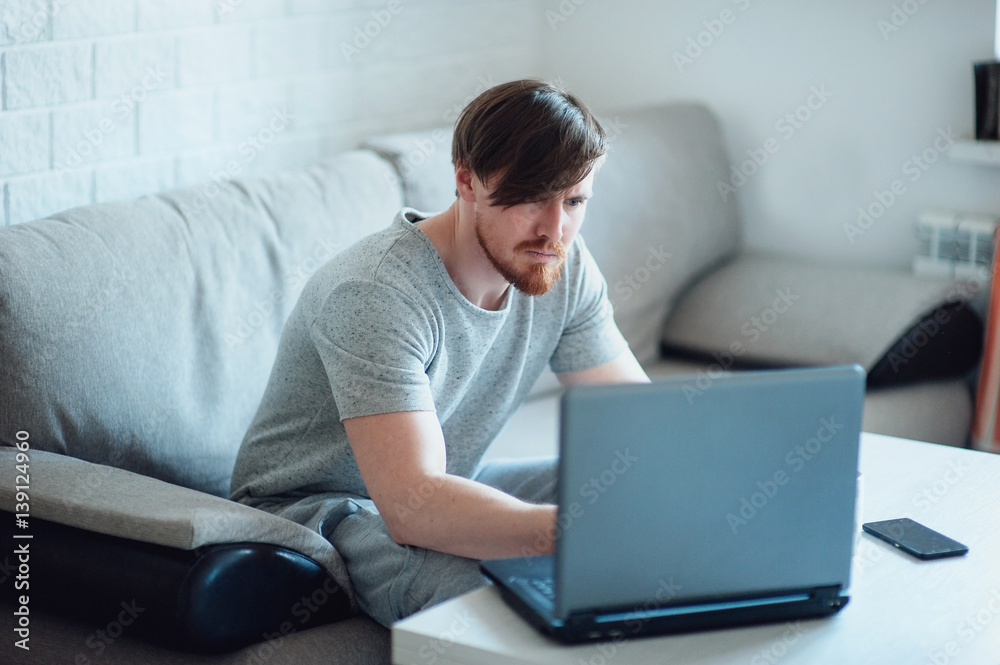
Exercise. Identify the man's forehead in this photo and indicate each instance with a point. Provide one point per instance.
(582, 189)
(585, 187)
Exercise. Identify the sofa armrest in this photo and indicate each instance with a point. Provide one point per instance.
(767, 310)
(111, 501)
(213, 599)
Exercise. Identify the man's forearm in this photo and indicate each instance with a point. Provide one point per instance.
(459, 516)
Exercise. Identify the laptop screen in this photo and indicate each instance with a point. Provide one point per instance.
(689, 489)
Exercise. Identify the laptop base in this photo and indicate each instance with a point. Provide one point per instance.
(509, 574)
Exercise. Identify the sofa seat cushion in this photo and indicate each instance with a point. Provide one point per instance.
(766, 310)
(141, 334)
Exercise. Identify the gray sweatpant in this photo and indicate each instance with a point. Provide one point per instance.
(393, 581)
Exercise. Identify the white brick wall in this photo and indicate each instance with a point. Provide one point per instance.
(111, 99)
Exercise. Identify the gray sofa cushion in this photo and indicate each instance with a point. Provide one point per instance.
(656, 219)
(935, 411)
(141, 334)
(422, 161)
(766, 309)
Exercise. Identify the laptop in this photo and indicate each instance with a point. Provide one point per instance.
(691, 504)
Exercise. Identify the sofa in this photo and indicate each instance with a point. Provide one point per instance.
(136, 338)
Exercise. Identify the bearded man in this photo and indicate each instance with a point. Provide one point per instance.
(407, 353)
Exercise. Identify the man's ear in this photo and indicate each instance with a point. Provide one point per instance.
(464, 185)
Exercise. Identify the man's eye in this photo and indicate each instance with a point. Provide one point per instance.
(573, 203)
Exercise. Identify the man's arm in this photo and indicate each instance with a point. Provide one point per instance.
(402, 460)
(623, 369)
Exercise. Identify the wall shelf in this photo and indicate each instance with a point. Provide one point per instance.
(983, 153)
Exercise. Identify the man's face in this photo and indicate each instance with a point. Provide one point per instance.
(527, 243)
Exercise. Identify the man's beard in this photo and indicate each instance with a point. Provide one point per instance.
(535, 280)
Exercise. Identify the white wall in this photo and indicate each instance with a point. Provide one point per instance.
(71, 70)
(112, 99)
(891, 91)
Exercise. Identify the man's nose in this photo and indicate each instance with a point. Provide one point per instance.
(551, 219)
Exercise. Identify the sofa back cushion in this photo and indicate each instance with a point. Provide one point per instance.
(141, 334)
(657, 218)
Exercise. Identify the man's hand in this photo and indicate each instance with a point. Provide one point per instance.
(402, 455)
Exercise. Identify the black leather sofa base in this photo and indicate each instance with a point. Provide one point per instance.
(211, 600)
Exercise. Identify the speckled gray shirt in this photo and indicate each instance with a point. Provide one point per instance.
(382, 328)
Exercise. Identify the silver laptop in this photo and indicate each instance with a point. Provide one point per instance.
(687, 505)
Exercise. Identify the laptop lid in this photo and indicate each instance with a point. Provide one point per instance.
(687, 490)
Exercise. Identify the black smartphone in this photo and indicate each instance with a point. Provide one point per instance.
(915, 538)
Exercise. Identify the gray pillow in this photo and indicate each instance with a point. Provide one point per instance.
(656, 219)
(141, 334)
(770, 310)
(423, 163)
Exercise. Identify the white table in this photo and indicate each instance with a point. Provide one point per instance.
(902, 610)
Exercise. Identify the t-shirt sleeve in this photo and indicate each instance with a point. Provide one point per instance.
(375, 344)
(590, 337)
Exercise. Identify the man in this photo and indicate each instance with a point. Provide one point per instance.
(407, 353)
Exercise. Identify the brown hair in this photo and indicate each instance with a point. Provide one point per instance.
(538, 140)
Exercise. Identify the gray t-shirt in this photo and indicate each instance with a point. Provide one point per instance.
(382, 328)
